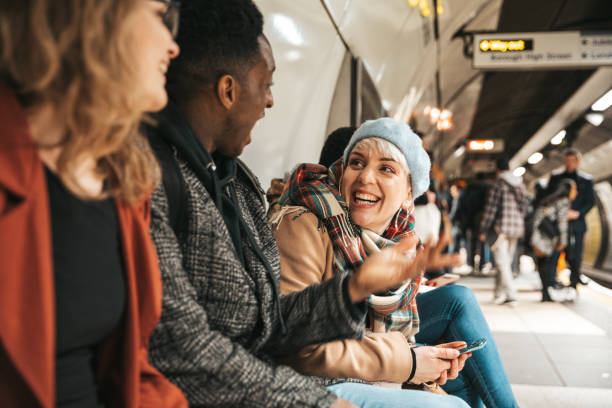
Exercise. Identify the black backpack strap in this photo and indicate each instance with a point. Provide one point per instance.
(253, 179)
(174, 184)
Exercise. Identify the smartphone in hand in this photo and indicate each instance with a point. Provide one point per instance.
(473, 346)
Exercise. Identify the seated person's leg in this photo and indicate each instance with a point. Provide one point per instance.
(370, 396)
(452, 313)
(463, 388)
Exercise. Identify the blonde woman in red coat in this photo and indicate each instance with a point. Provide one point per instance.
(80, 289)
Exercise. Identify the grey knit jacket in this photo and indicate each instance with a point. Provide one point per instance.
(219, 330)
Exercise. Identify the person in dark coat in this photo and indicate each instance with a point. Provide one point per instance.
(551, 212)
(470, 212)
(223, 321)
(585, 200)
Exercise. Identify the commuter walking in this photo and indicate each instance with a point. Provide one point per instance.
(502, 226)
(585, 199)
(550, 227)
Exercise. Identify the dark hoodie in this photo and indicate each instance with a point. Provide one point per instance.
(218, 175)
(216, 172)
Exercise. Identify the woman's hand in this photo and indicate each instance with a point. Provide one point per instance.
(457, 364)
(389, 268)
(433, 364)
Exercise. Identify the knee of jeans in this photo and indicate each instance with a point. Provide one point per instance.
(461, 297)
(454, 402)
(459, 294)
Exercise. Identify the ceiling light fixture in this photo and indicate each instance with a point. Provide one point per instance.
(594, 118)
(535, 158)
(434, 115)
(442, 118)
(558, 138)
(519, 171)
(603, 103)
(445, 122)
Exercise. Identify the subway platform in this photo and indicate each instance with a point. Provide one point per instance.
(556, 354)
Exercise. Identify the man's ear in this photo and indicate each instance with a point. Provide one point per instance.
(227, 91)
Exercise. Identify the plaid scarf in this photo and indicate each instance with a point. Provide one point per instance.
(316, 188)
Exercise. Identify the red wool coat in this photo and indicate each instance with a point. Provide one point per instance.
(27, 300)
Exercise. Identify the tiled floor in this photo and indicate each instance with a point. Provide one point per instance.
(556, 355)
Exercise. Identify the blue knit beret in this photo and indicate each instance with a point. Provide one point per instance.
(408, 142)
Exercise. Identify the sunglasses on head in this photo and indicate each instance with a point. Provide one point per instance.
(171, 16)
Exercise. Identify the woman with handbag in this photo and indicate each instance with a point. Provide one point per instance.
(550, 234)
(328, 222)
(80, 290)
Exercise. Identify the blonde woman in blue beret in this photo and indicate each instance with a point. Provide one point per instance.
(329, 221)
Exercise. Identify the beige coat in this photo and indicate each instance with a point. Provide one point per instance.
(307, 258)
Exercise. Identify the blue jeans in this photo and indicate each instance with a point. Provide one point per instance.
(451, 313)
(371, 396)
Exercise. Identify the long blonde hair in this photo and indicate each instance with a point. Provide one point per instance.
(76, 56)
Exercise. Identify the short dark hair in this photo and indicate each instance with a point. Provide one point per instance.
(502, 164)
(216, 37)
(573, 152)
(334, 146)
